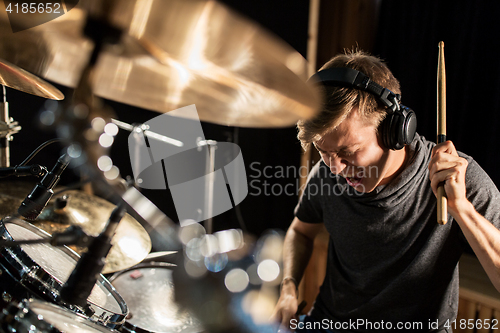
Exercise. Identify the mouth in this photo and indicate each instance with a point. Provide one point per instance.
(354, 181)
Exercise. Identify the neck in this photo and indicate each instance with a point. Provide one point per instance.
(396, 161)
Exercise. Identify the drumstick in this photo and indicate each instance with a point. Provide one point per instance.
(442, 204)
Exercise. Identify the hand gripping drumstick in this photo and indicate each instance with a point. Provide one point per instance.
(442, 204)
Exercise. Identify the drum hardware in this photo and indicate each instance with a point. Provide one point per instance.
(209, 181)
(25, 170)
(6, 297)
(39, 270)
(8, 127)
(145, 129)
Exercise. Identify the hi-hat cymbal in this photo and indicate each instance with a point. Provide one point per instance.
(17, 78)
(175, 53)
(131, 242)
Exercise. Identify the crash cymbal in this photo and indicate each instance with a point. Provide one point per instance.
(17, 78)
(131, 243)
(175, 53)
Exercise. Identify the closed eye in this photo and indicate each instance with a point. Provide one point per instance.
(347, 153)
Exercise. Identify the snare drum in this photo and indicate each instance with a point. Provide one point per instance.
(36, 316)
(149, 292)
(40, 271)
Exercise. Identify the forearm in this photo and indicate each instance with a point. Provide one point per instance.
(484, 239)
(297, 250)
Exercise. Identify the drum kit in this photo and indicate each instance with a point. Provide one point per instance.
(71, 261)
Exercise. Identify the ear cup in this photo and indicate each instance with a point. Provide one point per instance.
(398, 129)
(386, 132)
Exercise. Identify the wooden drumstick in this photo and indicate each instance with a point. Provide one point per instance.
(442, 204)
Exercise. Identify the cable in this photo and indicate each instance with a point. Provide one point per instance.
(37, 150)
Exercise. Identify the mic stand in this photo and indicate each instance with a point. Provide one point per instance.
(209, 182)
(79, 285)
(24, 170)
(145, 129)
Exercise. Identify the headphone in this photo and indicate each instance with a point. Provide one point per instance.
(399, 126)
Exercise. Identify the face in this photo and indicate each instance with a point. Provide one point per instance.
(354, 151)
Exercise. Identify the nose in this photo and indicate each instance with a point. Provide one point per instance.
(336, 164)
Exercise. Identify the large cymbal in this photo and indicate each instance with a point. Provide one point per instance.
(131, 242)
(17, 78)
(177, 53)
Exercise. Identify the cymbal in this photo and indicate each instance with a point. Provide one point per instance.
(131, 242)
(175, 53)
(17, 78)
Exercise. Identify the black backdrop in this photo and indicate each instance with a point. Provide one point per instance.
(408, 36)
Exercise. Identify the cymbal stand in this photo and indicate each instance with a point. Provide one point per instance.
(209, 182)
(8, 127)
(145, 129)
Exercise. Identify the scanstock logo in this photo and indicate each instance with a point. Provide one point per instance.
(30, 13)
(202, 186)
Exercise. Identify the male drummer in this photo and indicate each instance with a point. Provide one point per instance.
(390, 265)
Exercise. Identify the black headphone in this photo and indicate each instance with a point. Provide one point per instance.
(399, 126)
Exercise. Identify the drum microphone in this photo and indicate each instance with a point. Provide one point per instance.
(36, 201)
(79, 285)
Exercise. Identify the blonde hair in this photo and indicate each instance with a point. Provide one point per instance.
(340, 101)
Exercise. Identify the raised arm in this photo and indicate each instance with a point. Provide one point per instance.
(483, 237)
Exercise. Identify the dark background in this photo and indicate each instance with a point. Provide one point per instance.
(406, 36)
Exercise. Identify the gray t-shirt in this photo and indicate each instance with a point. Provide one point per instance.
(388, 258)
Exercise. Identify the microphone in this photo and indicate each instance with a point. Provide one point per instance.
(79, 285)
(36, 201)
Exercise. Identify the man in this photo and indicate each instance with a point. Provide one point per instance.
(390, 265)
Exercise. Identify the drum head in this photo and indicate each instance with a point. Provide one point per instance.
(149, 293)
(43, 269)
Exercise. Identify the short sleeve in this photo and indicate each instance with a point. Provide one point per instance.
(483, 193)
(309, 207)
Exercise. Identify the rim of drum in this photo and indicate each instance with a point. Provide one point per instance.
(152, 264)
(127, 326)
(34, 304)
(24, 267)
